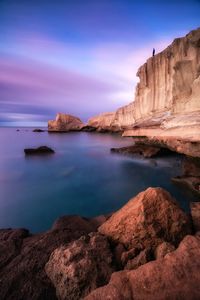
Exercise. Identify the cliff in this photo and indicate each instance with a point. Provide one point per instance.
(168, 94)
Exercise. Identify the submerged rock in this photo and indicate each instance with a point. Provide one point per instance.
(38, 130)
(65, 123)
(176, 276)
(39, 150)
(147, 220)
(144, 150)
(80, 267)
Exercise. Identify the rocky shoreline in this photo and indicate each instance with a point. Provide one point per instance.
(144, 241)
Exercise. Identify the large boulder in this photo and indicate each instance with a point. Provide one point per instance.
(80, 267)
(147, 220)
(65, 123)
(23, 257)
(176, 276)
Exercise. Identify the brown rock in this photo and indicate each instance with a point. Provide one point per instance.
(80, 267)
(23, 257)
(176, 276)
(65, 123)
(195, 212)
(38, 151)
(163, 249)
(139, 260)
(144, 150)
(150, 218)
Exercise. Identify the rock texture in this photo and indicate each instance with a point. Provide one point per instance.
(23, 257)
(176, 276)
(65, 123)
(195, 212)
(147, 220)
(80, 267)
(191, 175)
(102, 122)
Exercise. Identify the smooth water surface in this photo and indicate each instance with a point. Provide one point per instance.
(82, 177)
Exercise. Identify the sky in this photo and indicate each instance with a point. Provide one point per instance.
(80, 56)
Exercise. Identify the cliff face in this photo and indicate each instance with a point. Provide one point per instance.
(64, 122)
(168, 94)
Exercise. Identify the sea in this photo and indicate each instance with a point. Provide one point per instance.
(82, 178)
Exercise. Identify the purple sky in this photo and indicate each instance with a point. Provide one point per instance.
(80, 57)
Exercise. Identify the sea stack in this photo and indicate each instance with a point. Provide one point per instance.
(65, 123)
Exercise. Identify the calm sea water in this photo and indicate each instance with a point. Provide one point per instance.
(82, 177)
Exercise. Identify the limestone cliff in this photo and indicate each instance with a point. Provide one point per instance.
(168, 94)
(64, 122)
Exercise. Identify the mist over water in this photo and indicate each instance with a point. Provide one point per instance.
(82, 177)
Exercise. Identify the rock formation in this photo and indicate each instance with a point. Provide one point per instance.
(80, 267)
(147, 220)
(176, 276)
(64, 123)
(102, 122)
(38, 151)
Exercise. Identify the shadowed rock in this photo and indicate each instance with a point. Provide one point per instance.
(39, 150)
(176, 276)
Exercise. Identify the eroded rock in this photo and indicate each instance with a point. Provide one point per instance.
(150, 218)
(65, 123)
(176, 276)
(80, 267)
(38, 151)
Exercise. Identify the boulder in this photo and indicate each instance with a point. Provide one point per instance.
(80, 267)
(65, 123)
(148, 219)
(176, 276)
(40, 150)
(23, 257)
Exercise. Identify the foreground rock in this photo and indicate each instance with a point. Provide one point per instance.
(23, 257)
(176, 276)
(65, 123)
(80, 267)
(147, 220)
(38, 151)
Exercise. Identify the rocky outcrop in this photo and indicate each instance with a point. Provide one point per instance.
(147, 220)
(38, 151)
(167, 95)
(142, 150)
(191, 174)
(23, 257)
(176, 276)
(80, 267)
(102, 122)
(65, 123)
